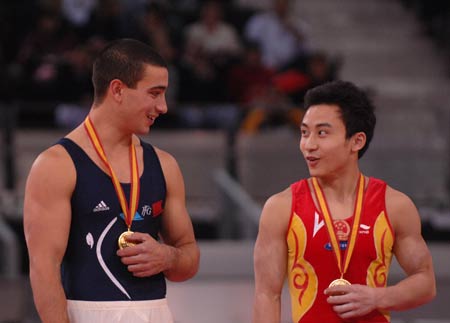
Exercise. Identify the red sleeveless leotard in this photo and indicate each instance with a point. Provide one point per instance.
(312, 264)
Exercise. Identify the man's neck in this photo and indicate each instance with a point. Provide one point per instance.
(109, 130)
(341, 187)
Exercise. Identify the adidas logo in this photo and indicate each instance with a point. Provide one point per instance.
(101, 207)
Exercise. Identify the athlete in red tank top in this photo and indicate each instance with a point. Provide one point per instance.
(333, 235)
(312, 263)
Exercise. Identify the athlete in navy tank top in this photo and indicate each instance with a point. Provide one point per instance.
(91, 270)
(74, 200)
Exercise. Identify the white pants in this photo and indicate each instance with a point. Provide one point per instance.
(155, 311)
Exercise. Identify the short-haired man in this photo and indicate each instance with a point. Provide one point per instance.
(334, 234)
(97, 202)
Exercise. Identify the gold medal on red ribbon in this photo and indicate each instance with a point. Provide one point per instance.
(123, 242)
(128, 210)
(339, 282)
(342, 260)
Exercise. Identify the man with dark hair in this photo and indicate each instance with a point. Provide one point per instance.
(335, 233)
(97, 203)
(356, 110)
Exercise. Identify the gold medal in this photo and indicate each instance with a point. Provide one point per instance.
(338, 282)
(123, 242)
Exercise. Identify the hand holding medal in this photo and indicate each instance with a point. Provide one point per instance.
(338, 282)
(123, 242)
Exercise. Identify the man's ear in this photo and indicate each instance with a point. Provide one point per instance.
(116, 87)
(358, 141)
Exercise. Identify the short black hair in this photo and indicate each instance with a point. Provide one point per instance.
(122, 59)
(357, 110)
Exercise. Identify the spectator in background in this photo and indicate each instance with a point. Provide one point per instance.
(268, 97)
(249, 79)
(78, 13)
(282, 39)
(156, 32)
(211, 36)
(296, 79)
(285, 48)
(251, 85)
(154, 29)
(210, 45)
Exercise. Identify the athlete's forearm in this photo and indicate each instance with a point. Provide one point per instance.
(413, 291)
(49, 297)
(183, 262)
(266, 309)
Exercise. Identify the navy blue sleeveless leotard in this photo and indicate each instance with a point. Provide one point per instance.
(91, 270)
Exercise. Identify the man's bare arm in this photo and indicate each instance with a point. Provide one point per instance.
(177, 230)
(270, 258)
(413, 255)
(47, 216)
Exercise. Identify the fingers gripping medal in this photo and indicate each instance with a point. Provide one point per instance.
(339, 282)
(342, 262)
(128, 210)
(123, 242)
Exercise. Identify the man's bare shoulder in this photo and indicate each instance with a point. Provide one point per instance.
(53, 165)
(281, 199)
(52, 156)
(168, 163)
(57, 153)
(400, 209)
(165, 157)
(277, 210)
(397, 200)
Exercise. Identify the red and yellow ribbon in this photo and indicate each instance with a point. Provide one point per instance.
(128, 211)
(344, 261)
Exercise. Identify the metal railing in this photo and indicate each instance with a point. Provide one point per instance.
(9, 244)
(9, 249)
(239, 213)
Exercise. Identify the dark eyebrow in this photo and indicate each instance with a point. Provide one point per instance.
(319, 125)
(324, 124)
(158, 87)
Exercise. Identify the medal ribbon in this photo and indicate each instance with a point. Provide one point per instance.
(342, 262)
(130, 211)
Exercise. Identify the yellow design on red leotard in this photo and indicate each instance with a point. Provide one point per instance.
(302, 279)
(377, 272)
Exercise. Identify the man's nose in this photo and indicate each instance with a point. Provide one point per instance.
(310, 143)
(161, 106)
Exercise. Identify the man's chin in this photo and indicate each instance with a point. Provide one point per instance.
(143, 131)
(314, 172)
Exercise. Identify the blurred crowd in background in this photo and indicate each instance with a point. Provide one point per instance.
(231, 66)
(435, 17)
